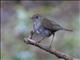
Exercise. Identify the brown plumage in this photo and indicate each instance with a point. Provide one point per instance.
(44, 26)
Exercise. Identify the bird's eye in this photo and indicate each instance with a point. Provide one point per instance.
(37, 17)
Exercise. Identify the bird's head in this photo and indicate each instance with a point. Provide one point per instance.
(36, 17)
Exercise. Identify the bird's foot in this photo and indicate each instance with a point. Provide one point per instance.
(37, 42)
(49, 47)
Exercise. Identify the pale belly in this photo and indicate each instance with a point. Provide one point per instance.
(42, 31)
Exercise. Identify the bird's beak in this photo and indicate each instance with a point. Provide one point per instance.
(31, 17)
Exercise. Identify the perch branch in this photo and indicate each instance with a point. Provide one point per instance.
(52, 50)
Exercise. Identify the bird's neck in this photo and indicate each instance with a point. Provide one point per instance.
(36, 24)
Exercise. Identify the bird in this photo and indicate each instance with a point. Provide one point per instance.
(45, 27)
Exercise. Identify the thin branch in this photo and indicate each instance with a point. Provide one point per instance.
(52, 51)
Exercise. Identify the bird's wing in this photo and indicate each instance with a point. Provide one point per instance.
(51, 25)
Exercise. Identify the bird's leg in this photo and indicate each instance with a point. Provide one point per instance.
(40, 40)
(32, 32)
(51, 43)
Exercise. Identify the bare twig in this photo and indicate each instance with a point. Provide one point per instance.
(52, 51)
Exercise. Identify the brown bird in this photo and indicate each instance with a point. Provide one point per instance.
(45, 27)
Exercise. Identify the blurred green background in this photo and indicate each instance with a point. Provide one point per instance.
(16, 25)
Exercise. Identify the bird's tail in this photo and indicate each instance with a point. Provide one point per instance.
(67, 29)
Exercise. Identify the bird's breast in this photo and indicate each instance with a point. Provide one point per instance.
(42, 31)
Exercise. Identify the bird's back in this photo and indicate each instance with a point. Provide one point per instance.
(51, 25)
